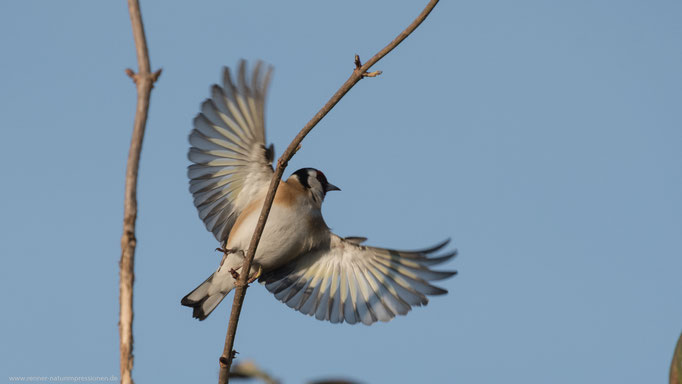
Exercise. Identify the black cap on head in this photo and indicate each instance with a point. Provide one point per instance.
(305, 174)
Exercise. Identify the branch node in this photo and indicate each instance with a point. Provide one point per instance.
(137, 76)
(131, 74)
(223, 361)
(372, 74)
(358, 68)
(155, 75)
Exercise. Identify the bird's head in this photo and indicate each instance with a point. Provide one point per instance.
(315, 182)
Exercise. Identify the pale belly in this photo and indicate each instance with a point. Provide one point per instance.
(286, 235)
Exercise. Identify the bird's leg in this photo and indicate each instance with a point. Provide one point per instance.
(225, 252)
(256, 275)
(235, 274)
(233, 271)
(258, 271)
(222, 260)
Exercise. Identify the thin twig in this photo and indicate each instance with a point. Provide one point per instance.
(144, 81)
(359, 73)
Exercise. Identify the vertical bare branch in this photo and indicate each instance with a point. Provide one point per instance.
(359, 73)
(144, 81)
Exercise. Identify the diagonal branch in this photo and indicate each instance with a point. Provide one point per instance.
(358, 74)
(144, 80)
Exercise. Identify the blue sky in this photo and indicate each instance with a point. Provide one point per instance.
(543, 137)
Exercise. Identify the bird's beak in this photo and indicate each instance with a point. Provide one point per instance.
(331, 187)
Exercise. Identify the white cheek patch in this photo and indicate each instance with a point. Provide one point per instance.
(315, 184)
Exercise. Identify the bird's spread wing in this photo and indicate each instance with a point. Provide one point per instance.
(230, 160)
(347, 281)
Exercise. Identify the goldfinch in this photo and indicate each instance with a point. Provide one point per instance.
(299, 259)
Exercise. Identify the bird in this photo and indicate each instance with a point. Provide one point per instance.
(299, 259)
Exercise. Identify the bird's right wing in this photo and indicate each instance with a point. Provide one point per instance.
(349, 282)
(230, 161)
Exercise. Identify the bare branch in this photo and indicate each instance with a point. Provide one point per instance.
(144, 81)
(359, 73)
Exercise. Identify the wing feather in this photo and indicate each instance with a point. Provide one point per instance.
(393, 300)
(230, 162)
(345, 281)
(224, 125)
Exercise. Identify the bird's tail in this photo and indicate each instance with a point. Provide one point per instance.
(206, 297)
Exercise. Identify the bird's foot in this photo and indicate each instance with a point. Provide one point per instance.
(226, 251)
(234, 273)
(259, 271)
(254, 275)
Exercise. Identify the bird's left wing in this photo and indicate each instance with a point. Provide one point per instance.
(230, 161)
(349, 282)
